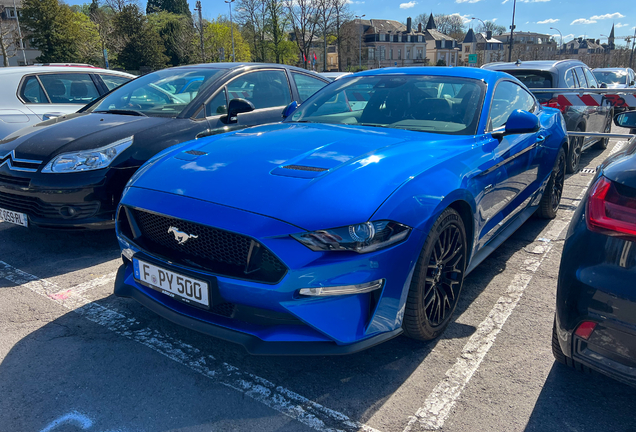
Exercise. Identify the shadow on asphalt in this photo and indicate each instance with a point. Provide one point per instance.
(574, 401)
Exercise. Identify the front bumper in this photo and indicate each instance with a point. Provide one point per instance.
(597, 283)
(84, 200)
(271, 318)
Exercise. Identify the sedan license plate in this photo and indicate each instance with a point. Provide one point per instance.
(14, 217)
(175, 285)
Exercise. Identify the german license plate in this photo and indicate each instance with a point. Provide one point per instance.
(14, 217)
(184, 288)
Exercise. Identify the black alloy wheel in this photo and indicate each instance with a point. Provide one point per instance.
(603, 142)
(437, 279)
(551, 198)
(574, 155)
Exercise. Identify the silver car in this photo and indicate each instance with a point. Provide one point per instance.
(31, 94)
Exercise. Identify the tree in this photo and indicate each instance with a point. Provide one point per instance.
(491, 26)
(253, 16)
(218, 42)
(451, 25)
(9, 40)
(118, 5)
(179, 7)
(304, 22)
(50, 23)
(343, 14)
(140, 45)
(177, 33)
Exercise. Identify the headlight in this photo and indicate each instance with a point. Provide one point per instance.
(361, 238)
(87, 160)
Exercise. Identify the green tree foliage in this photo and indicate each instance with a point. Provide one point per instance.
(179, 7)
(54, 30)
(140, 45)
(177, 33)
(217, 39)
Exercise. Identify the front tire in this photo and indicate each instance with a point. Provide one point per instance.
(437, 279)
(574, 155)
(549, 205)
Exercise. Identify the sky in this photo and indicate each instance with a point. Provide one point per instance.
(574, 18)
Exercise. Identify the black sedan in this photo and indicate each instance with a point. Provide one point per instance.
(69, 172)
(595, 325)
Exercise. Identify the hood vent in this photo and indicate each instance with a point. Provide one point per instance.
(305, 168)
(196, 152)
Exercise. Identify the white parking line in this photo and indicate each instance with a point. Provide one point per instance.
(285, 401)
(439, 404)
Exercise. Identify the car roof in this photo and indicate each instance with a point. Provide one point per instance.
(27, 70)
(460, 72)
(533, 64)
(611, 69)
(239, 65)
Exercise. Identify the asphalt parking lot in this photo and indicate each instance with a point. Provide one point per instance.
(73, 357)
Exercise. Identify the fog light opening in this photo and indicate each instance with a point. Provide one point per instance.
(343, 290)
(585, 329)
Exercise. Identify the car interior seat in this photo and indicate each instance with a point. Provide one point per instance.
(266, 94)
(57, 91)
(79, 91)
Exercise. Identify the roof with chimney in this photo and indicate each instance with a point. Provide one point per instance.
(472, 37)
(377, 26)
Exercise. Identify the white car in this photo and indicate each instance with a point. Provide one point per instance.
(31, 94)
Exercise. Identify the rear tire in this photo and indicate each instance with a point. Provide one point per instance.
(549, 205)
(560, 357)
(603, 142)
(574, 154)
(437, 279)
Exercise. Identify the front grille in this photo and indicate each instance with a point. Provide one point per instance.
(36, 207)
(214, 250)
(15, 181)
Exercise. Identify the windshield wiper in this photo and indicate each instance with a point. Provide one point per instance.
(372, 125)
(122, 112)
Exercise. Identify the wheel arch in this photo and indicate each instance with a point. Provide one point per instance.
(466, 213)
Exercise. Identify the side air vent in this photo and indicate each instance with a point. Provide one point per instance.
(305, 168)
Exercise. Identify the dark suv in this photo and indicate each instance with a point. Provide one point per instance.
(564, 74)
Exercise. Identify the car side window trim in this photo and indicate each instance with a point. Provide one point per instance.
(21, 86)
(203, 107)
(291, 93)
(489, 128)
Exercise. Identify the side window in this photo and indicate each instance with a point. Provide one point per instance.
(32, 92)
(508, 97)
(307, 85)
(113, 81)
(69, 88)
(581, 76)
(265, 89)
(570, 82)
(217, 106)
(590, 78)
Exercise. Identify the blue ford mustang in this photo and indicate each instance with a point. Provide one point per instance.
(354, 220)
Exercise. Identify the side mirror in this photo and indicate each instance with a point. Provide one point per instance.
(603, 85)
(631, 83)
(519, 122)
(289, 109)
(236, 107)
(626, 119)
(51, 115)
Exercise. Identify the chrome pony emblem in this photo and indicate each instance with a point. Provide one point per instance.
(180, 236)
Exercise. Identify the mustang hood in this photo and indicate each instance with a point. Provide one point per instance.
(310, 175)
(80, 131)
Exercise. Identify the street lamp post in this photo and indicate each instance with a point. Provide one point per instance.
(231, 28)
(485, 45)
(561, 34)
(17, 17)
(512, 30)
(360, 51)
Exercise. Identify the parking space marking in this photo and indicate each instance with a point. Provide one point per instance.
(618, 147)
(78, 289)
(439, 404)
(287, 402)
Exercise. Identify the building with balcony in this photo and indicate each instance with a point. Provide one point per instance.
(381, 43)
(484, 45)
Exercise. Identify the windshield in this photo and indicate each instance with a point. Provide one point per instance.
(159, 94)
(611, 77)
(438, 104)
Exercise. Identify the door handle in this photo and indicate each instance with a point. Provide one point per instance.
(541, 139)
